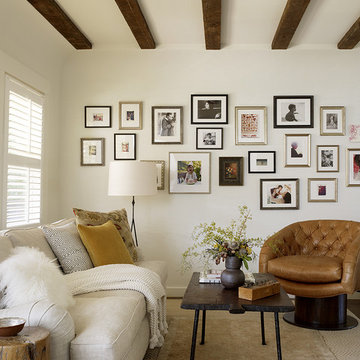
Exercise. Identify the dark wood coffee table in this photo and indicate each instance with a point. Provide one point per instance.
(215, 297)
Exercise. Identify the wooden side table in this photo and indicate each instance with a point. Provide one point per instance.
(32, 343)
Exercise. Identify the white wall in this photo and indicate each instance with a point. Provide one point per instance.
(169, 77)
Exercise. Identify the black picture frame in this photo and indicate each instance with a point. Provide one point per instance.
(214, 111)
(233, 163)
(124, 146)
(265, 168)
(210, 143)
(294, 111)
(97, 116)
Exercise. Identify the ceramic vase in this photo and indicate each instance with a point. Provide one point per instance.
(232, 277)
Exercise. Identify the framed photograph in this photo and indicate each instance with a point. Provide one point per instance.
(332, 120)
(322, 190)
(250, 125)
(167, 124)
(279, 194)
(231, 171)
(130, 115)
(209, 138)
(297, 150)
(98, 116)
(260, 162)
(354, 133)
(92, 151)
(160, 178)
(209, 109)
(352, 167)
(124, 146)
(327, 158)
(293, 112)
(189, 173)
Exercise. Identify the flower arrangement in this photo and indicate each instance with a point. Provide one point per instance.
(216, 243)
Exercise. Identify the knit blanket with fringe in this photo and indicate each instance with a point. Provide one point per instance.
(127, 277)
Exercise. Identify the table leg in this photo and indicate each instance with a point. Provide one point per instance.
(203, 328)
(262, 328)
(277, 330)
(193, 343)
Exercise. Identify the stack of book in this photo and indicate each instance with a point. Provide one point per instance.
(210, 276)
(258, 286)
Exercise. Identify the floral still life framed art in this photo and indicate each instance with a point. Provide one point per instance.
(280, 194)
(327, 158)
(124, 146)
(354, 133)
(231, 170)
(297, 150)
(322, 190)
(352, 167)
(92, 151)
(160, 175)
(332, 120)
(98, 116)
(209, 109)
(189, 173)
(167, 125)
(261, 162)
(130, 115)
(250, 125)
(209, 138)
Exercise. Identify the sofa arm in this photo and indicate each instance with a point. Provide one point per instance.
(51, 317)
(351, 267)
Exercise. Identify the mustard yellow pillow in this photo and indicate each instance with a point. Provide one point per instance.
(104, 244)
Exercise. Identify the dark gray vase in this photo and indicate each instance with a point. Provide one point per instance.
(232, 277)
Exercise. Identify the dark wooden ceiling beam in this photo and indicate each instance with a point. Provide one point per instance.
(351, 38)
(290, 20)
(137, 23)
(56, 16)
(212, 23)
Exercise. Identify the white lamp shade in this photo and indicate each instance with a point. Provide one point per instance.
(132, 178)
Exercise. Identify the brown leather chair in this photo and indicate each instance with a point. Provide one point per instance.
(318, 261)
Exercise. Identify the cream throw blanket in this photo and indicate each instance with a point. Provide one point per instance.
(127, 277)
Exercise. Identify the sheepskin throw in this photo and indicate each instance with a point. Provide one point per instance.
(128, 277)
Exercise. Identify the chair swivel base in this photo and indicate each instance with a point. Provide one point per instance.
(321, 313)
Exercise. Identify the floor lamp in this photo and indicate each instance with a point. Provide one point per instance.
(132, 178)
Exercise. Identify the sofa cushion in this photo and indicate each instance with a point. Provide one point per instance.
(307, 269)
(5, 247)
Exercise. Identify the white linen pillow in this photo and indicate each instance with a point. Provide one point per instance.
(28, 275)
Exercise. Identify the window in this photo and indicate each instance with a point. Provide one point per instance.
(22, 163)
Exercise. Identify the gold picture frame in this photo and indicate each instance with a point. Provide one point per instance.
(352, 167)
(332, 120)
(322, 190)
(297, 150)
(130, 115)
(160, 168)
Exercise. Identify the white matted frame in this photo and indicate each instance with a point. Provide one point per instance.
(261, 162)
(209, 138)
(352, 167)
(297, 150)
(130, 115)
(183, 166)
(327, 158)
(332, 120)
(160, 173)
(209, 109)
(92, 151)
(98, 116)
(124, 146)
(322, 190)
(250, 125)
(167, 125)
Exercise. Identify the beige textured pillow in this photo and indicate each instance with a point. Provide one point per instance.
(118, 217)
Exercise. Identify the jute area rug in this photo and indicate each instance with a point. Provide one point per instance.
(231, 336)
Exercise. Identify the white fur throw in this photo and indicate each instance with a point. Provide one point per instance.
(129, 277)
(28, 275)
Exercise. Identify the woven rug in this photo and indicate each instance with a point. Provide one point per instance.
(239, 337)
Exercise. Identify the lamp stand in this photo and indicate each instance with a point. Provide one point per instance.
(133, 221)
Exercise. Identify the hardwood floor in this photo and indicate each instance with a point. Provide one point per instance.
(354, 306)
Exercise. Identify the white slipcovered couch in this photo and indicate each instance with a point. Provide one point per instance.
(107, 325)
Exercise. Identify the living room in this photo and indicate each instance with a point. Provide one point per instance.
(245, 69)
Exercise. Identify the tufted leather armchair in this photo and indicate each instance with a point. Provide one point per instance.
(316, 259)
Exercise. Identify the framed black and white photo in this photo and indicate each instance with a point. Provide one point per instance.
(327, 158)
(124, 146)
(261, 162)
(209, 138)
(160, 177)
(92, 151)
(130, 115)
(209, 109)
(293, 112)
(322, 190)
(231, 171)
(167, 124)
(98, 116)
(297, 150)
(332, 120)
(352, 167)
(279, 194)
(250, 125)
(189, 173)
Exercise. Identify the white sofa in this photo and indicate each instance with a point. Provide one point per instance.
(101, 325)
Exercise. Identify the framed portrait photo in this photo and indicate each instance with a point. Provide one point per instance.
(167, 124)
(189, 173)
(352, 167)
(130, 115)
(327, 158)
(92, 151)
(322, 190)
(297, 150)
(98, 116)
(250, 125)
(279, 194)
(332, 120)
(293, 112)
(160, 175)
(354, 133)
(124, 146)
(260, 162)
(231, 171)
(209, 138)
(209, 109)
